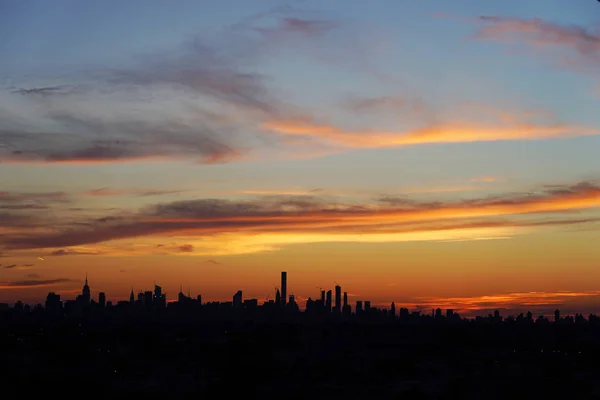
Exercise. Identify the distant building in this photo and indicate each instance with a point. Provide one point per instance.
(328, 301)
(283, 287)
(338, 299)
(237, 299)
(85, 297)
(102, 299)
(53, 303)
(359, 307)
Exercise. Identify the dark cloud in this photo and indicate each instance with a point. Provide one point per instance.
(18, 266)
(107, 192)
(22, 207)
(41, 90)
(161, 192)
(16, 220)
(186, 248)
(32, 283)
(212, 262)
(66, 252)
(397, 201)
(14, 197)
(14, 201)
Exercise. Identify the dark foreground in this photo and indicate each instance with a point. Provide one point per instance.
(152, 359)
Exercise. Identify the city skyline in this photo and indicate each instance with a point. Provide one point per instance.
(336, 303)
(430, 155)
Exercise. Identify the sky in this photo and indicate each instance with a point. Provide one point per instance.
(434, 154)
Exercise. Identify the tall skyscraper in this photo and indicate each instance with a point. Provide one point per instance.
(283, 287)
(277, 297)
(328, 301)
(131, 297)
(346, 311)
(237, 299)
(338, 299)
(85, 296)
(102, 299)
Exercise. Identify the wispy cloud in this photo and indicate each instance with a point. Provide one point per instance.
(25, 284)
(192, 102)
(18, 266)
(452, 132)
(487, 179)
(540, 34)
(108, 192)
(72, 252)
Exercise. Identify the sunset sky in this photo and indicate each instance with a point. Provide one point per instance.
(435, 154)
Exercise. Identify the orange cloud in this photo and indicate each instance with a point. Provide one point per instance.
(442, 133)
(501, 301)
(486, 179)
(218, 226)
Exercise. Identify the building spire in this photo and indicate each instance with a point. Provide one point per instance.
(86, 282)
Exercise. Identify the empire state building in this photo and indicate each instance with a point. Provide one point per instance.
(85, 296)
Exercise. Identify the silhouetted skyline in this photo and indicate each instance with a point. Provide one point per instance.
(322, 306)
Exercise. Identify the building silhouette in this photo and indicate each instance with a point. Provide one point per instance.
(237, 299)
(85, 297)
(283, 287)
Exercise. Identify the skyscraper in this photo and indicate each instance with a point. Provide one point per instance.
(283, 287)
(338, 299)
(237, 299)
(328, 301)
(85, 293)
(102, 299)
